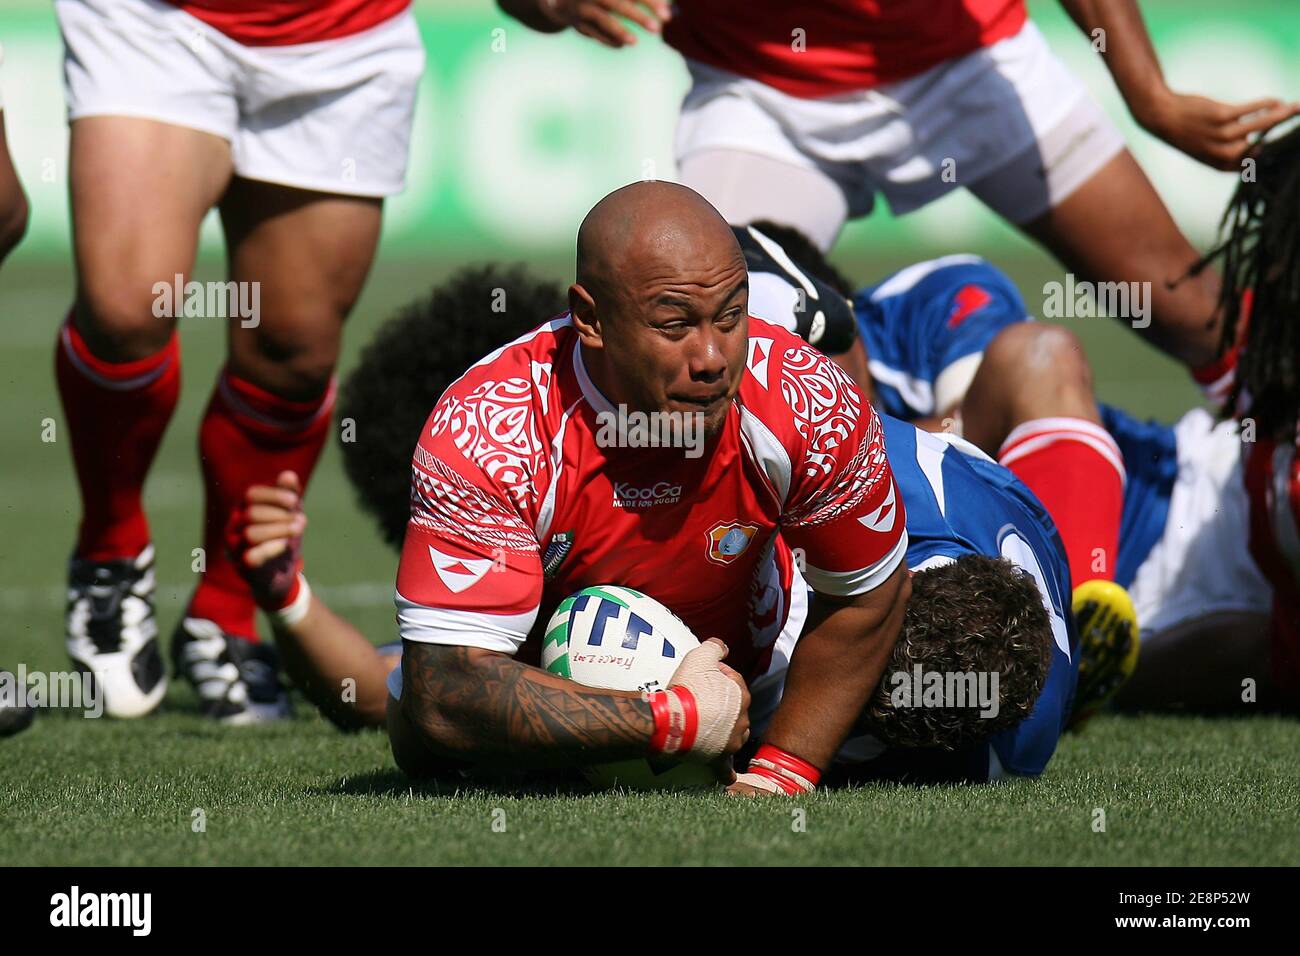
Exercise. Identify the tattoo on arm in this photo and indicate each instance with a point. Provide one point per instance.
(482, 706)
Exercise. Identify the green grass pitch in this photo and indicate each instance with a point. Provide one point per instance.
(174, 789)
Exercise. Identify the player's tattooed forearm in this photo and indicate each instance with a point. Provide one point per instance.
(488, 707)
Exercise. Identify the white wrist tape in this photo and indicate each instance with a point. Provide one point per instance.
(295, 611)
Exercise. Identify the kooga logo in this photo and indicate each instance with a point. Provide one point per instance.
(103, 909)
(660, 493)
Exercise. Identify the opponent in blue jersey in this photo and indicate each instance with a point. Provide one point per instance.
(933, 322)
(961, 503)
(1187, 547)
(949, 345)
(925, 329)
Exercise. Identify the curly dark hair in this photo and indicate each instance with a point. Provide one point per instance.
(410, 362)
(1260, 253)
(976, 616)
(804, 253)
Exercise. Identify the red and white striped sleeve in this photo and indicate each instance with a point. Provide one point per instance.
(470, 572)
(843, 514)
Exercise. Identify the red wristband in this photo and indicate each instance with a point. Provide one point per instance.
(792, 774)
(690, 718)
(784, 783)
(659, 711)
(676, 720)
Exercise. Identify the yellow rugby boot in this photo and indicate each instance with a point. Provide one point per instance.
(1108, 645)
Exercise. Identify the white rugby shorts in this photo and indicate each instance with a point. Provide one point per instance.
(333, 116)
(1202, 566)
(1011, 108)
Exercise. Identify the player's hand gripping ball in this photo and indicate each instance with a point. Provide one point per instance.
(620, 639)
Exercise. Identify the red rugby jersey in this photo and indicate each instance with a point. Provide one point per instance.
(285, 22)
(1272, 480)
(846, 44)
(515, 504)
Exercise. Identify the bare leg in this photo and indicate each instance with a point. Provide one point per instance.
(13, 201)
(298, 259)
(310, 253)
(1115, 228)
(1030, 370)
(1031, 407)
(140, 190)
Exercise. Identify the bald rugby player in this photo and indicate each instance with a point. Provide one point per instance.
(517, 502)
(519, 498)
(1009, 619)
(1005, 624)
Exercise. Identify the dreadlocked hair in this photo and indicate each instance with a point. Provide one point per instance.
(1260, 254)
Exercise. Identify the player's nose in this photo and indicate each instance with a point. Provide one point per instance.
(707, 359)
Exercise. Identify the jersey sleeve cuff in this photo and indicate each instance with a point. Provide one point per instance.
(504, 633)
(853, 583)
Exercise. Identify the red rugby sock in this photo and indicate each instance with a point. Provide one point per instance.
(1076, 470)
(248, 437)
(116, 414)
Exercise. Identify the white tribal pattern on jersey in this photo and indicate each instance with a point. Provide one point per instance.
(515, 505)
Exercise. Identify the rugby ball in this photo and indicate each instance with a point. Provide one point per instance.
(620, 639)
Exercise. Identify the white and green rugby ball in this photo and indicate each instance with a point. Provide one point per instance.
(620, 639)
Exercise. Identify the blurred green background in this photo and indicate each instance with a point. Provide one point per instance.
(510, 148)
(517, 134)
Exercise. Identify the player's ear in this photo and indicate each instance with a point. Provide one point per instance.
(583, 309)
